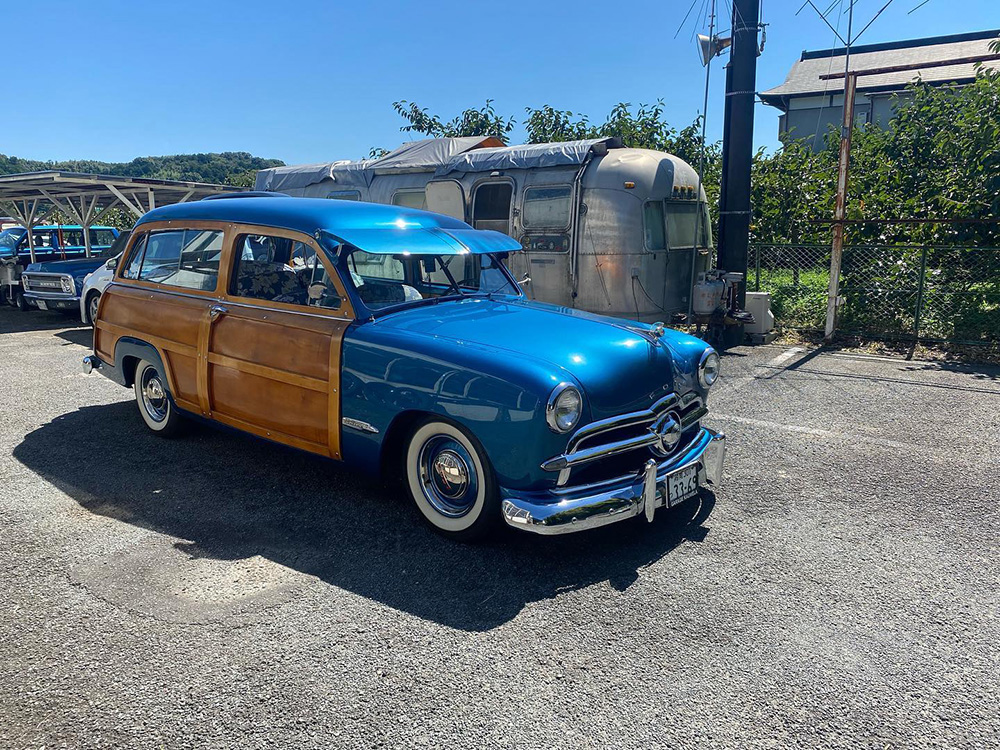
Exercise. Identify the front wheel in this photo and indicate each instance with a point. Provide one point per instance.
(155, 406)
(451, 481)
(93, 302)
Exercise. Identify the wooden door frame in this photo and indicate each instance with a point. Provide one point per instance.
(344, 314)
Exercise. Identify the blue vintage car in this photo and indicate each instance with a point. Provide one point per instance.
(393, 338)
(56, 280)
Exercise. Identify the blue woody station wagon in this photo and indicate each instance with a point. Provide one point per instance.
(388, 337)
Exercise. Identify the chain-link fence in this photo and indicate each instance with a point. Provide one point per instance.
(890, 291)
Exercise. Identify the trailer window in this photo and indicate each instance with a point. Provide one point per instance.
(491, 206)
(547, 207)
(345, 195)
(410, 199)
(653, 226)
(686, 225)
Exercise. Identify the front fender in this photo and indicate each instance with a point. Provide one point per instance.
(498, 398)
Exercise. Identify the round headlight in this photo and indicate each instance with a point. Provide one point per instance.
(562, 412)
(708, 368)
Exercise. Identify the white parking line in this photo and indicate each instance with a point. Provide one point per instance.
(818, 432)
(785, 356)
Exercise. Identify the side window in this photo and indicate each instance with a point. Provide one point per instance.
(72, 238)
(546, 207)
(101, 238)
(43, 239)
(277, 269)
(410, 199)
(653, 226)
(187, 258)
(345, 195)
(130, 270)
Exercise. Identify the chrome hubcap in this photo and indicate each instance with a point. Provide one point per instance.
(448, 476)
(154, 396)
(451, 475)
(93, 309)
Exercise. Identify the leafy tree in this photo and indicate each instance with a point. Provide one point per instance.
(484, 121)
(219, 168)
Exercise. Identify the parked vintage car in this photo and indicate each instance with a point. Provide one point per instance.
(58, 284)
(95, 282)
(386, 337)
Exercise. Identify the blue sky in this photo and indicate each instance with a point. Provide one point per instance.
(307, 80)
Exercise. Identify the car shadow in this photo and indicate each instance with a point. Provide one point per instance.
(83, 336)
(13, 320)
(227, 496)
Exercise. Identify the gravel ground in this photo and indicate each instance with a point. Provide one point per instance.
(214, 591)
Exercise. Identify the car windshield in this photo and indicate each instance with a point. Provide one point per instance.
(9, 239)
(384, 281)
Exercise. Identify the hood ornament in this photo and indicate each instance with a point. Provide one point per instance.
(656, 330)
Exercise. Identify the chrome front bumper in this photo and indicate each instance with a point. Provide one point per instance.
(565, 510)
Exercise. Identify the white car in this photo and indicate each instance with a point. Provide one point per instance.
(94, 285)
(97, 281)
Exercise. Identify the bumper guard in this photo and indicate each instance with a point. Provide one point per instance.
(571, 509)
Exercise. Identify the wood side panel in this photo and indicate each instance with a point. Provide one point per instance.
(168, 321)
(333, 395)
(278, 342)
(271, 405)
(183, 375)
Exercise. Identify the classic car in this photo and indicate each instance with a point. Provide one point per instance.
(57, 283)
(396, 339)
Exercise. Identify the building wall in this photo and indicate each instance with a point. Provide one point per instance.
(812, 117)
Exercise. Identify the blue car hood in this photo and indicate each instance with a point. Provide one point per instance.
(76, 268)
(619, 369)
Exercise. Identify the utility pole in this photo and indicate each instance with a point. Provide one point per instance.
(843, 168)
(737, 150)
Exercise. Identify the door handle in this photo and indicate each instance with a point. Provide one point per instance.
(215, 311)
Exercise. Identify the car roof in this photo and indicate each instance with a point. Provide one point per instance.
(373, 227)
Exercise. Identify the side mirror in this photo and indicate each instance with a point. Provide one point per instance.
(112, 263)
(525, 280)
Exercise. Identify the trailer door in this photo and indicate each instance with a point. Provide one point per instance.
(446, 197)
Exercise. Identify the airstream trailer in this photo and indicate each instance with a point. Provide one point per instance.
(611, 230)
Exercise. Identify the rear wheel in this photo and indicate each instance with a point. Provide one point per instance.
(451, 481)
(151, 396)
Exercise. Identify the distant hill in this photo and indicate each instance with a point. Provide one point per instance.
(230, 167)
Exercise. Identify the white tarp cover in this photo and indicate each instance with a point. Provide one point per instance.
(533, 156)
(425, 155)
(279, 179)
(415, 156)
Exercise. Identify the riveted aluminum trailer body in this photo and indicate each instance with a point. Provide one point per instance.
(606, 229)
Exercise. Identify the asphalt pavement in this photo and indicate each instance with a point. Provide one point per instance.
(841, 590)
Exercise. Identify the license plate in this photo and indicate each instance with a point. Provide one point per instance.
(681, 485)
(41, 305)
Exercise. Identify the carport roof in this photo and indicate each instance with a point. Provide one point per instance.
(88, 193)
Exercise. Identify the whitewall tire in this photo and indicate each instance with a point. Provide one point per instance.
(153, 399)
(451, 481)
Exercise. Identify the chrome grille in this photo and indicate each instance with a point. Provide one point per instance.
(625, 433)
(39, 282)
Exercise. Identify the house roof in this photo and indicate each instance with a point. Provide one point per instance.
(804, 77)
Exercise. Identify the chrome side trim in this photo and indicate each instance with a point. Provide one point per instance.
(357, 424)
